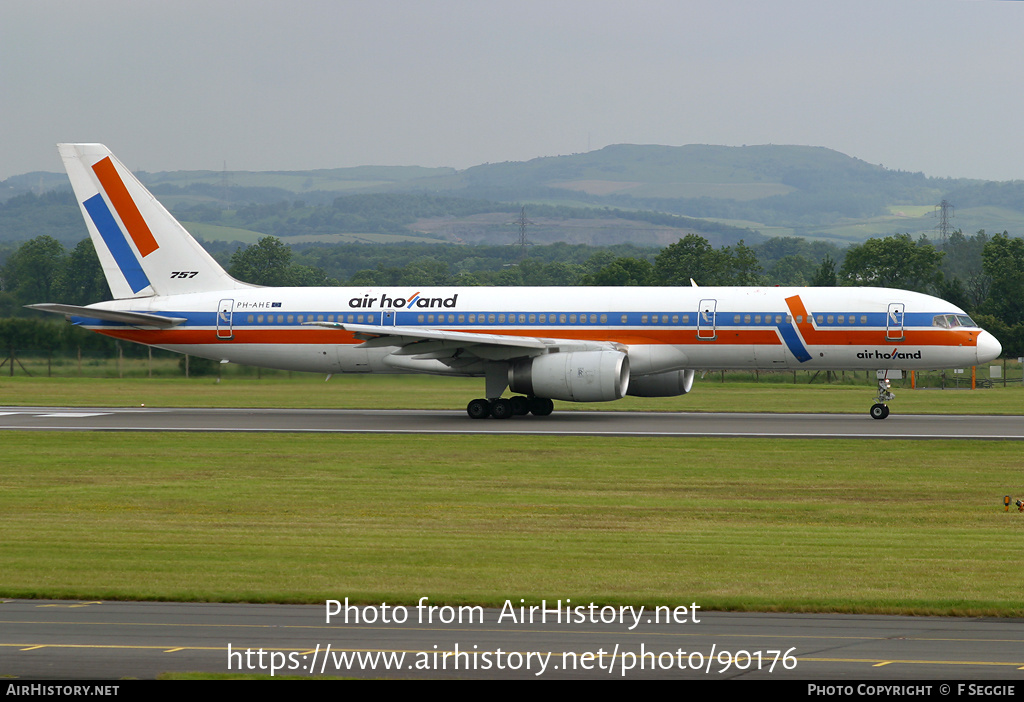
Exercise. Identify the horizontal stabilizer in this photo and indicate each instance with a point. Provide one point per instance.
(137, 319)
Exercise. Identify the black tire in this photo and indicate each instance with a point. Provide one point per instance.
(520, 405)
(478, 409)
(501, 409)
(879, 411)
(541, 406)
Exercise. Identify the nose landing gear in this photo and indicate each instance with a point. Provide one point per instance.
(880, 410)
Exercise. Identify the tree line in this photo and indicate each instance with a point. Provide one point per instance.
(982, 274)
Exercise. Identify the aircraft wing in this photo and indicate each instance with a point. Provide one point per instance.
(138, 319)
(439, 343)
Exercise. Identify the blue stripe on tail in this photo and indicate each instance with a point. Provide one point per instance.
(118, 246)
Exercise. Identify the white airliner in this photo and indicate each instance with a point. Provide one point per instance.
(581, 344)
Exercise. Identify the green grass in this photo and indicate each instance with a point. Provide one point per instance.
(857, 526)
(853, 526)
(276, 389)
(912, 211)
(215, 232)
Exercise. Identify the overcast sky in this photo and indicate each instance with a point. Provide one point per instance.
(924, 85)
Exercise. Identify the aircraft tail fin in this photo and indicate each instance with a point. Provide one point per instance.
(144, 250)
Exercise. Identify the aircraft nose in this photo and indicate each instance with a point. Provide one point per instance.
(989, 347)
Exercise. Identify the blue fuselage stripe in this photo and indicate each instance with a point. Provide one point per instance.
(793, 343)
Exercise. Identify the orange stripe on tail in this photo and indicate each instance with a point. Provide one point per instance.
(125, 206)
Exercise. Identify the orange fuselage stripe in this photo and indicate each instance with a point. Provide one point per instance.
(729, 337)
(868, 337)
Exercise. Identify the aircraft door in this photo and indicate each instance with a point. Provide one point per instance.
(388, 318)
(894, 322)
(706, 320)
(225, 314)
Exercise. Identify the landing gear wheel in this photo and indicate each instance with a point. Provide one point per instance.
(541, 407)
(501, 409)
(880, 410)
(479, 409)
(520, 405)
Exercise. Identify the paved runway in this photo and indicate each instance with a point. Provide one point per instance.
(569, 423)
(47, 639)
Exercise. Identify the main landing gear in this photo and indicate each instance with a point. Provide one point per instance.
(503, 408)
(880, 410)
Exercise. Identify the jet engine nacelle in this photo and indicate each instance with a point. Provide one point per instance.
(577, 376)
(662, 384)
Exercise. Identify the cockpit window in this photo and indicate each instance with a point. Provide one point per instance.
(951, 321)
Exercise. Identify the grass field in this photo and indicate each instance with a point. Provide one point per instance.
(739, 393)
(853, 526)
(828, 525)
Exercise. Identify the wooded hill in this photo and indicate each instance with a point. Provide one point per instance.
(644, 195)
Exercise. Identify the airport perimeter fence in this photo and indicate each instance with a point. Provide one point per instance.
(139, 362)
(1001, 373)
(133, 361)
